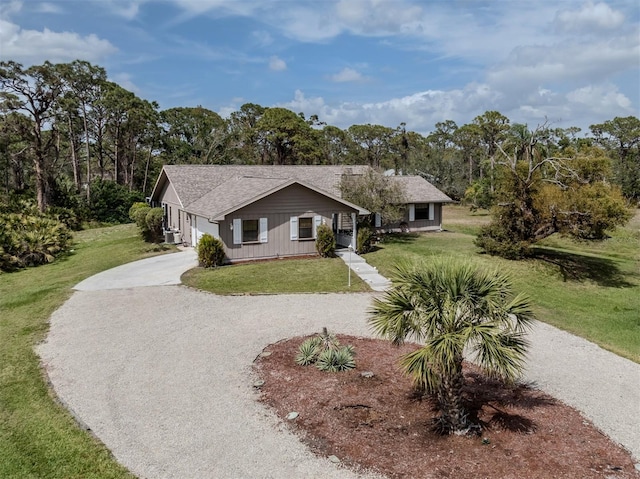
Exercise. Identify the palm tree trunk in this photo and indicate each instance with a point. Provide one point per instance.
(453, 417)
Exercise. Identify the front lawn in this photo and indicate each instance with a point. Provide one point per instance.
(38, 437)
(309, 275)
(589, 289)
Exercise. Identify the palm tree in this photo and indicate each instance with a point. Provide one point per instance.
(454, 308)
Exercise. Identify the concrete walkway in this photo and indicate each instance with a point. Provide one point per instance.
(368, 273)
(162, 374)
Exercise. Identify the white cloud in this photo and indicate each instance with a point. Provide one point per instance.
(277, 64)
(34, 46)
(599, 16)
(347, 75)
(124, 80)
(262, 38)
(46, 7)
(127, 9)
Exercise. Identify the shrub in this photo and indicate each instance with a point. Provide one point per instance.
(31, 240)
(153, 222)
(110, 202)
(149, 220)
(137, 212)
(210, 251)
(365, 237)
(325, 241)
(325, 352)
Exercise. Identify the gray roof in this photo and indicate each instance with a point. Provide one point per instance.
(419, 190)
(212, 190)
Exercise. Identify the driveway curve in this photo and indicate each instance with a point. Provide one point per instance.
(162, 373)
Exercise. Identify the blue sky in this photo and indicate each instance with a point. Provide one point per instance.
(573, 63)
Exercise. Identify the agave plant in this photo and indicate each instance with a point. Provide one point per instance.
(335, 360)
(308, 351)
(325, 352)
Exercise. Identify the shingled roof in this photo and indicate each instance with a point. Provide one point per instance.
(214, 189)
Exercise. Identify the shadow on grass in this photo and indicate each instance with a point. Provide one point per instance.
(577, 267)
(399, 238)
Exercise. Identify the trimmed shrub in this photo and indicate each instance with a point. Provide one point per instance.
(153, 222)
(325, 241)
(138, 213)
(149, 220)
(365, 237)
(210, 252)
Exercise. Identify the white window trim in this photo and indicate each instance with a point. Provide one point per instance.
(412, 212)
(294, 222)
(263, 231)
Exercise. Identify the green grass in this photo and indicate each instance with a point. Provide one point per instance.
(313, 275)
(38, 438)
(589, 289)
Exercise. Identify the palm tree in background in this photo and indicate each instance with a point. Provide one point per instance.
(454, 309)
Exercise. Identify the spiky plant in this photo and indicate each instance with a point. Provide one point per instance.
(308, 351)
(325, 352)
(335, 360)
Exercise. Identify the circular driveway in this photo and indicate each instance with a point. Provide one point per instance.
(162, 374)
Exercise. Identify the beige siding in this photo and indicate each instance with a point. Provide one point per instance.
(422, 225)
(176, 218)
(278, 208)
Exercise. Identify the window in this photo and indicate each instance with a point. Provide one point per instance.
(422, 212)
(249, 231)
(305, 228)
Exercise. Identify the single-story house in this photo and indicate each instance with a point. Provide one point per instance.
(261, 212)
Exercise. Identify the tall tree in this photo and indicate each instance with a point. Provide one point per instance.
(83, 82)
(493, 128)
(193, 135)
(287, 139)
(621, 137)
(452, 309)
(371, 145)
(36, 91)
(243, 141)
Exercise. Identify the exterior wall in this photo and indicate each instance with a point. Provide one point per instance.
(176, 218)
(200, 226)
(421, 225)
(278, 208)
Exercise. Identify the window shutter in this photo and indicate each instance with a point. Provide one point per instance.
(317, 221)
(377, 220)
(237, 231)
(293, 222)
(431, 212)
(412, 212)
(263, 230)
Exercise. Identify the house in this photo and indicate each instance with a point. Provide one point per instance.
(273, 211)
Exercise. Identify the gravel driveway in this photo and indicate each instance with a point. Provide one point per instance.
(162, 374)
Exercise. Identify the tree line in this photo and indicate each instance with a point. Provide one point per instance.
(70, 138)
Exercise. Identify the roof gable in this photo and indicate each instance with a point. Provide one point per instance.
(216, 190)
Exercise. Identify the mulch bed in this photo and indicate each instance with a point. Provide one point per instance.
(381, 424)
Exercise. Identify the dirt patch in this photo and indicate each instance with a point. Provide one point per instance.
(379, 423)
